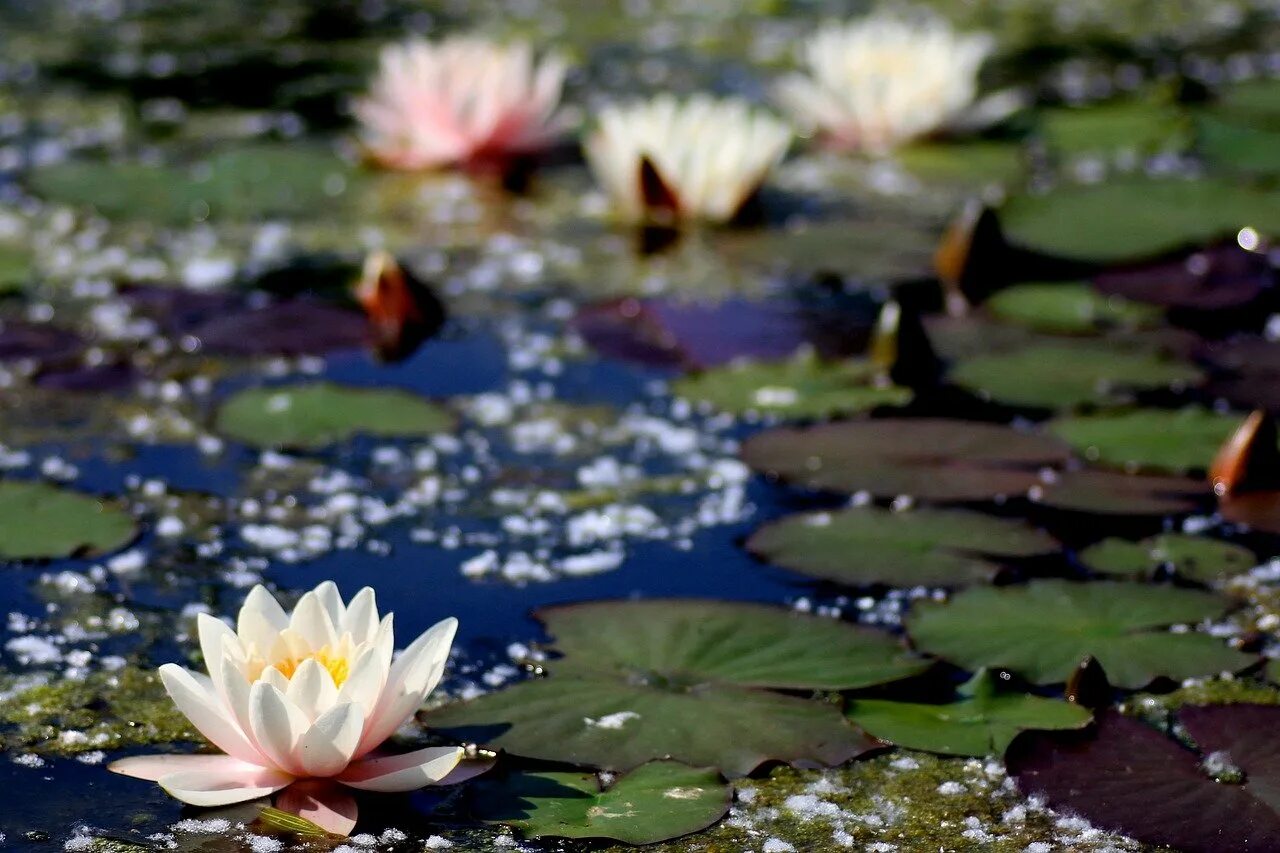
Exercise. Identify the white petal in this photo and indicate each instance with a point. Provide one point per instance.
(277, 725)
(365, 681)
(311, 622)
(312, 689)
(361, 617)
(329, 596)
(153, 768)
(216, 640)
(231, 782)
(326, 748)
(406, 772)
(412, 677)
(195, 697)
(261, 619)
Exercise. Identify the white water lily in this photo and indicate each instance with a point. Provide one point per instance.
(877, 82)
(702, 158)
(460, 101)
(304, 695)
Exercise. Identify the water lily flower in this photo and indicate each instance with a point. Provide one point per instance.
(461, 101)
(877, 82)
(667, 159)
(303, 695)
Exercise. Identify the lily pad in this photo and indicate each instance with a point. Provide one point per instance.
(655, 802)
(875, 249)
(965, 162)
(800, 387)
(933, 459)
(1129, 777)
(1044, 629)
(318, 414)
(983, 721)
(1066, 375)
(1215, 278)
(1117, 493)
(1069, 308)
(1149, 439)
(15, 268)
(1193, 557)
(685, 680)
(292, 327)
(39, 521)
(1139, 126)
(1133, 219)
(867, 545)
(37, 341)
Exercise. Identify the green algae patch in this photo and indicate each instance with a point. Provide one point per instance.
(107, 710)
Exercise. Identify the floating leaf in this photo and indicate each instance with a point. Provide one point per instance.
(281, 821)
(293, 327)
(1149, 439)
(876, 249)
(1071, 308)
(982, 722)
(1116, 493)
(15, 268)
(1140, 126)
(976, 162)
(1132, 219)
(37, 341)
(1068, 374)
(933, 459)
(1237, 147)
(923, 546)
(38, 521)
(800, 387)
(684, 680)
(655, 802)
(1212, 279)
(1044, 629)
(1128, 777)
(318, 414)
(1193, 557)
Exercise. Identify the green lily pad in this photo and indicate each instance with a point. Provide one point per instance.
(967, 162)
(1103, 492)
(1237, 147)
(880, 249)
(1144, 127)
(15, 268)
(1068, 374)
(250, 182)
(927, 458)
(1044, 629)
(39, 521)
(318, 414)
(1149, 439)
(867, 545)
(655, 802)
(1133, 219)
(1069, 308)
(983, 721)
(686, 680)
(801, 387)
(1193, 557)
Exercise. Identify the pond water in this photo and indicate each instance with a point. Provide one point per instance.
(994, 457)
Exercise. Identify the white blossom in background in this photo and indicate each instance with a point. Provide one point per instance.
(460, 101)
(875, 83)
(670, 159)
(307, 695)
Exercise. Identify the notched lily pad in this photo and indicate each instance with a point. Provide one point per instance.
(983, 721)
(867, 545)
(315, 415)
(1069, 308)
(39, 520)
(1116, 493)
(932, 459)
(1044, 629)
(800, 387)
(686, 680)
(1068, 374)
(655, 802)
(1127, 777)
(1193, 557)
(1149, 439)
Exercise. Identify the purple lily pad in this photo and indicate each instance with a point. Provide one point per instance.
(1219, 277)
(294, 327)
(43, 343)
(1129, 777)
(179, 309)
(113, 376)
(699, 335)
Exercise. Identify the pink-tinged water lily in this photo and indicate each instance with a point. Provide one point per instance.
(701, 158)
(301, 696)
(878, 82)
(462, 101)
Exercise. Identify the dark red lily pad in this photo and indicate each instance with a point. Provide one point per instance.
(933, 459)
(294, 327)
(701, 335)
(1219, 277)
(179, 309)
(1254, 372)
(1128, 777)
(37, 341)
(1117, 493)
(100, 378)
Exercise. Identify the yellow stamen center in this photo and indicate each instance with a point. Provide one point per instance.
(338, 665)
